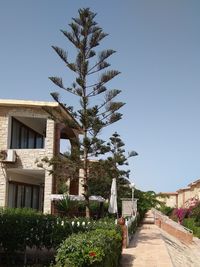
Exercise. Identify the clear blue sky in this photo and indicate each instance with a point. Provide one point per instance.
(158, 53)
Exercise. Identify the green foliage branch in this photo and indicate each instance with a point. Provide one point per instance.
(146, 201)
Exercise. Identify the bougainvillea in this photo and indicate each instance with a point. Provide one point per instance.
(181, 214)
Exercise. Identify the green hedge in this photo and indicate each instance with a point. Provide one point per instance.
(23, 227)
(97, 248)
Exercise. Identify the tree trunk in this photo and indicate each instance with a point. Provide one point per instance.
(87, 210)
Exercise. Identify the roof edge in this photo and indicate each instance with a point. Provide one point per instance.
(14, 102)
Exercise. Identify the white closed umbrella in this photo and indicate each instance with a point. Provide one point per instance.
(113, 198)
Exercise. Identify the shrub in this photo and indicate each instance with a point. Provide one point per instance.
(180, 214)
(166, 210)
(132, 227)
(195, 213)
(25, 227)
(65, 205)
(22, 228)
(193, 225)
(96, 248)
(97, 210)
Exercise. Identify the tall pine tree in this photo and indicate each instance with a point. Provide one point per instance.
(92, 74)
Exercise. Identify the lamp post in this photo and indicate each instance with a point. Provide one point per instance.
(128, 205)
(132, 186)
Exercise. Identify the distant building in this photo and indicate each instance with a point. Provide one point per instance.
(27, 133)
(184, 197)
(169, 198)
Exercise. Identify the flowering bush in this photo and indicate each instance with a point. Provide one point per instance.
(179, 214)
(190, 217)
(97, 248)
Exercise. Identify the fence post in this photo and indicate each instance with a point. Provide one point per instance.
(121, 222)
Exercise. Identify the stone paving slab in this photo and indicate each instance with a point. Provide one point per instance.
(147, 249)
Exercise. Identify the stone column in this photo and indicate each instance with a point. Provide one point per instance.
(3, 187)
(49, 148)
(3, 146)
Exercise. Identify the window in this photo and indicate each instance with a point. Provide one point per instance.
(20, 196)
(23, 195)
(24, 137)
(11, 195)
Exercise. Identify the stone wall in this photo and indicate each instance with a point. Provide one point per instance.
(3, 129)
(182, 235)
(26, 158)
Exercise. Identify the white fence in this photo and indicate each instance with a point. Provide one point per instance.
(129, 224)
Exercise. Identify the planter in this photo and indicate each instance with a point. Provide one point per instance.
(121, 221)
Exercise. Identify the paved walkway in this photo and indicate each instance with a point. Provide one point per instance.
(147, 249)
(152, 247)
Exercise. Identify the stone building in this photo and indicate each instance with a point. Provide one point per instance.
(169, 198)
(184, 197)
(28, 133)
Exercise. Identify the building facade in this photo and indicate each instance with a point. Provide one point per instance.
(169, 198)
(184, 197)
(29, 132)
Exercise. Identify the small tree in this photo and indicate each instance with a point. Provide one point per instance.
(146, 201)
(91, 81)
(115, 166)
